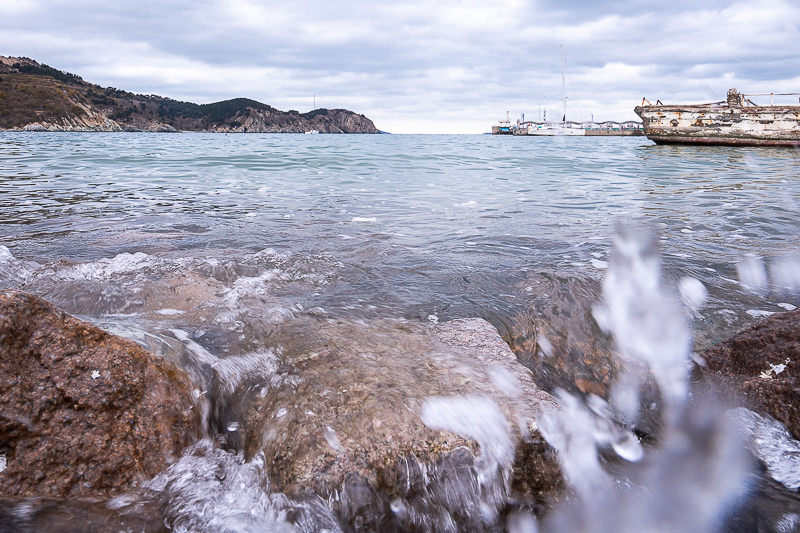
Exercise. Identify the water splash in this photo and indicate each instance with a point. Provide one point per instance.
(645, 319)
(774, 446)
(209, 489)
(700, 468)
(480, 419)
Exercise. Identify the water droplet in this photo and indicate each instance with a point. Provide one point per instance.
(629, 448)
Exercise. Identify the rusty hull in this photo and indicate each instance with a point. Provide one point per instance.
(721, 124)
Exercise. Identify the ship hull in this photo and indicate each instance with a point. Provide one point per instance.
(722, 125)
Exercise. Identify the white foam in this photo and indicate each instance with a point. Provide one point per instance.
(232, 370)
(209, 489)
(252, 286)
(364, 220)
(759, 313)
(772, 443)
(103, 269)
(5, 254)
(788, 523)
(170, 312)
(201, 354)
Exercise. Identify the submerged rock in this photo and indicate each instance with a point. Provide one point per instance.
(396, 424)
(83, 412)
(762, 365)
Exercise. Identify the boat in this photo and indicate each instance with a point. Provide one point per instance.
(556, 128)
(737, 121)
(549, 129)
(312, 132)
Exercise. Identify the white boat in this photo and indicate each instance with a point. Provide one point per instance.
(552, 129)
(312, 132)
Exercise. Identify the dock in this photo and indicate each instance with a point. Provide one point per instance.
(608, 128)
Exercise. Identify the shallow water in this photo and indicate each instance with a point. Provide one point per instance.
(403, 225)
(209, 247)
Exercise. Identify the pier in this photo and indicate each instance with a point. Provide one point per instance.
(609, 128)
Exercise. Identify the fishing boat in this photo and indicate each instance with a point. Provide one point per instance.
(736, 121)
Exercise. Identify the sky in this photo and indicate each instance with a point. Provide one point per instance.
(449, 66)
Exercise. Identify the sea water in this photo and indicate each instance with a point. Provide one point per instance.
(424, 228)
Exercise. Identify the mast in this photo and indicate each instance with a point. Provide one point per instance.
(563, 86)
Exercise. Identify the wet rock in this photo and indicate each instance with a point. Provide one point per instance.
(558, 339)
(761, 365)
(83, 412)
(24, 515)
(344, 417)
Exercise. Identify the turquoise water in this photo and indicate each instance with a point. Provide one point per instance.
(206, 246)
(409, 225)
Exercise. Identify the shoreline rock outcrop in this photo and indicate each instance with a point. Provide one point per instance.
(761, 365)
(397, 423)
(84, 413)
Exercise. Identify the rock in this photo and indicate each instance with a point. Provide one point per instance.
(558, 339)
(762, 365)
(83, 412)
(344, 417)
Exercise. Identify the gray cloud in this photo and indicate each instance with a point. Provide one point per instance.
(417, 66)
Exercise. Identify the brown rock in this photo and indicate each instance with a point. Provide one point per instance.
(343, 419)
(749, 363)
(83, 412)
(558, 339)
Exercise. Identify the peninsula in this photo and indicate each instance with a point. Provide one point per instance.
(37, 97)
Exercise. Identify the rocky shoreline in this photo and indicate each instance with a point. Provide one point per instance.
(378, 425)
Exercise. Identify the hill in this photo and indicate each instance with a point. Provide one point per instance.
(37, 97)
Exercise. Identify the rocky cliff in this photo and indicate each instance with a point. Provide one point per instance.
(37, 97)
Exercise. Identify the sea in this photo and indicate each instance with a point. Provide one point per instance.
(425, 228)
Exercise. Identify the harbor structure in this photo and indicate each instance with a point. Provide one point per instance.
(608, 128)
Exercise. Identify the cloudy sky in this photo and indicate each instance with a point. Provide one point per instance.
(449, 66)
